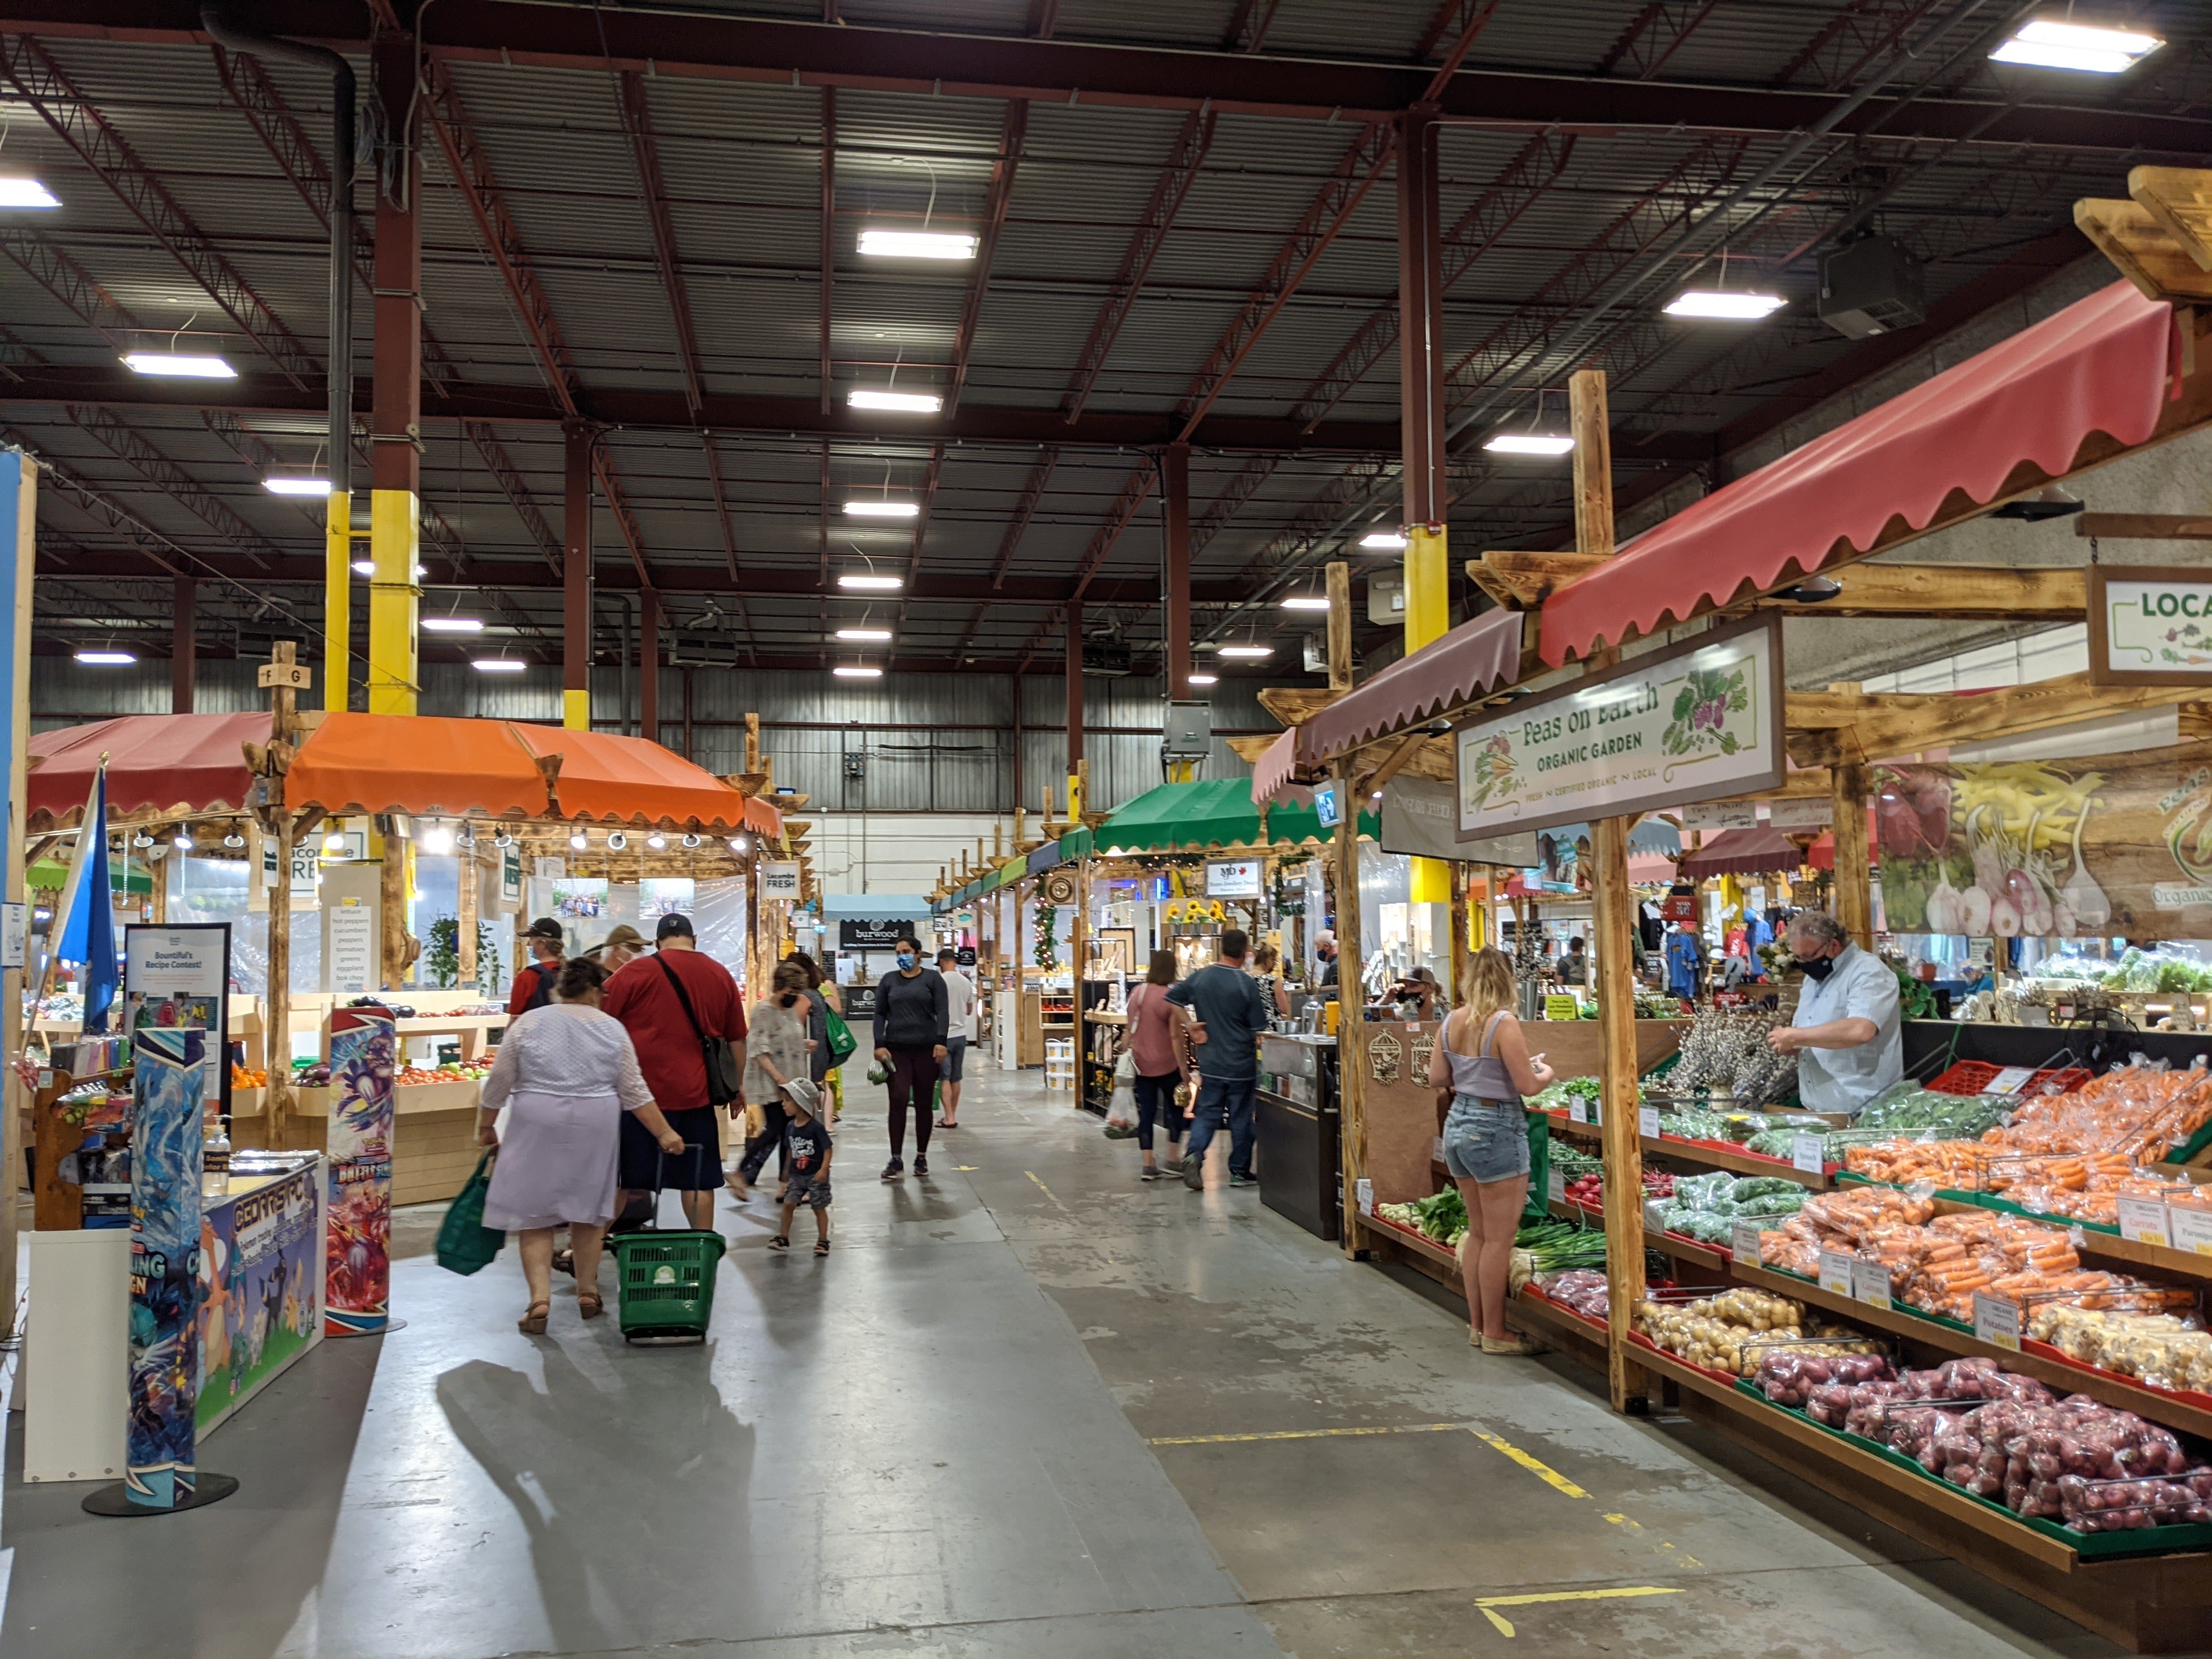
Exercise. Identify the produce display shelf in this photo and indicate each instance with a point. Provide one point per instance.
(1710, 1154)
(1674, 1244)
(2099, 1238)
(2159, 1404)
(1414, 1240)
(1568, 1332)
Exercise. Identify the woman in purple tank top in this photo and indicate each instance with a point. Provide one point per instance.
(1483, 1060)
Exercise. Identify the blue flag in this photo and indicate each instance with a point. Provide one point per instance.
(84, 924)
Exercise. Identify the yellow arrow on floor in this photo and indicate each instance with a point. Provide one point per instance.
(1505, 1626)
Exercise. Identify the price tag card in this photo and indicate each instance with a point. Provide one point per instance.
(1836, 1271)
(2192, 1230)
(1438, 1151)
(1806, 1153)
(1997, 1321)
(1870, 1284)
(1647, 1121)
(1743, 1241)
(2009, 1081)
(1577, 1112)
(1365, 1193)
(1556, 1184)
(2143, 1220)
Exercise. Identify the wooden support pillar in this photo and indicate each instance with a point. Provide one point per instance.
(464, 926)
(392, 908)
(1339, 626)
(1615, 916)
(395, 511)
(1854, 878)
(1593, 435)
(576, 580)
(277, 823)
(184, 643)
(649, 666)
(1175, 574)
(752, 743)
(1351, 1091)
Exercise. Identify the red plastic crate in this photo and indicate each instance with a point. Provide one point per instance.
(1971, 1077)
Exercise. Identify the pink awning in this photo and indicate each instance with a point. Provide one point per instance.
(2101, 365)
(1741, 853)
(1277, 764)
(157, 765)
(1443, 674)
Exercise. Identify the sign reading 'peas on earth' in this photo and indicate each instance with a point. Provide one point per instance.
(2150, 625)
(1692, 724)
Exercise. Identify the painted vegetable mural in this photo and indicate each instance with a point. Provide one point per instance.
(2116, 845)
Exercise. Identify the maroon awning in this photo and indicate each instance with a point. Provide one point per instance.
(1756, 852)
(2103, 364)
(1276, 767)
(156, 764)
(1443, 674)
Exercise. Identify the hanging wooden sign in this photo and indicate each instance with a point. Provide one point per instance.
(2150, 625)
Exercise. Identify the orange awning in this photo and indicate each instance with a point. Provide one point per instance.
(611, 779)
(417, 763)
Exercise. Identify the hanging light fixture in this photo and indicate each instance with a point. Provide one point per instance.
(656, 843)
(616, 841)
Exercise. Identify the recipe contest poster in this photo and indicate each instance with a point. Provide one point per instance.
(358, 1251)
(165, 1243)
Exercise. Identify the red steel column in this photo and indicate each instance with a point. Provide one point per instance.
(184, 644)
(649, 666)
(576, 580)
(1421, 313)
(1175, 597)
(1074, 687)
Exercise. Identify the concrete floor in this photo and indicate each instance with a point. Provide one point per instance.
(935, 1443)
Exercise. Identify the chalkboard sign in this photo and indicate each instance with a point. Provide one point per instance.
(871, 935)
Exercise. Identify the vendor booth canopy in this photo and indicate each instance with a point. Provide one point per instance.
(1211, 813)
(2102, 365)
(158, 766)
(608, 779)
(874, 907)
(1046, 856)
(1763, 851)
(52, 875)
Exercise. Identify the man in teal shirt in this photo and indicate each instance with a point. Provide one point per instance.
(1226, 1012)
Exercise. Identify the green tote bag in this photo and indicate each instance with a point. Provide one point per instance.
(464, 1244)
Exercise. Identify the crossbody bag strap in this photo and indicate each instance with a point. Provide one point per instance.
(683, 996)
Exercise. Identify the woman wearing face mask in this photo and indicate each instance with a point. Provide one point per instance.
(911, 1024)
(1848, 1042)
(777, 1049)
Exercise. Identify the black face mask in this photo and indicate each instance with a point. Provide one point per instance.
(1817, 968)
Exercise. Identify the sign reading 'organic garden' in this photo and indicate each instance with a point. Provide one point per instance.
(1691, 724)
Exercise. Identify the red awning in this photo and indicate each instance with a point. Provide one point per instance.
(1443, 673)
(618, 780)
(157, 765)
(1276, 767)
(1741, 853)
(2101, 365)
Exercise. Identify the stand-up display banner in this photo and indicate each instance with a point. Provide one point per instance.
(165, 1248)
(358, 1239)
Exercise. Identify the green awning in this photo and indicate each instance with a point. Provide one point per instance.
(1212, 812)
(1075, 844)
(51, 874)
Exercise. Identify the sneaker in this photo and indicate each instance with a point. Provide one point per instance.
(1149, 1172)
(895, 1169)
(1236, 1180)
(921, 1166)
(1194, 1173)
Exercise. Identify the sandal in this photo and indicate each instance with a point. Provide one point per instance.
(779, 1243)
(590, 1304)
(946, 1123)
(821, 1247)
(532, 1322)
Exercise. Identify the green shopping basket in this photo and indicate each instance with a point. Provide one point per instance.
(665, 1282)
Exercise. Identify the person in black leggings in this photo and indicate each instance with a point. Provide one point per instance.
(911, 1031)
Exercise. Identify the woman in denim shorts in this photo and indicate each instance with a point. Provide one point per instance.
(1484, 1061)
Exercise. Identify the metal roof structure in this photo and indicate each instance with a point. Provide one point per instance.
(647, 218)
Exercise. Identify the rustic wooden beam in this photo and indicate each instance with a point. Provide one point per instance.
(1340, 626)
(1522, 581)
(2148, 253)
(2181, 200)
(1996, 592)
(1294, 705)
(2145, 527)
(1827, 728)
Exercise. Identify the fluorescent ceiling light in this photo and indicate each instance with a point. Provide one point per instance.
(1306, 602)
(364, 567)
(498, 666)
(297, 486)
(181, 365)
(26, 193)
(1528, 443)
(453, 624)
(107, 659)
(1727, 307)
(1205, 679)
(2047, 42)
(1254, 652)
(872, 584)
(869, 635)
(918, 244)
(883, 509)
(857, 671)
(1383, 540)
(909, 403)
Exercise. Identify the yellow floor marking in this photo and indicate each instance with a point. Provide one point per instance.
(1048, 1191)
(1627, 1525)
(1536, 1466)
(1301, 1434)
(1486, 1603)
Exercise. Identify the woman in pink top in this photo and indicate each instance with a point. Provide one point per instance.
(1156, 1039)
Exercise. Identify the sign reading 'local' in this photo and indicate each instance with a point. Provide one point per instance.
(1702, 721)
(2149, 625)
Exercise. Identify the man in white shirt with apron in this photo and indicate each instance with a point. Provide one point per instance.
(1847, 1036)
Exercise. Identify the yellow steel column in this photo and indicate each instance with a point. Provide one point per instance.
(337, 601)
(1428, 616)
(395, 531)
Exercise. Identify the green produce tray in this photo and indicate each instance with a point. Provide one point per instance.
(2090, 1546)
(2198, 1146)
(1984, 1201)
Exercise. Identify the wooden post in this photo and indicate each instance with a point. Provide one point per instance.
(1339, 626)
(277, 823)
(1352, 1094)
(1586, 403)
(464, 928)
(752, 743)
(1615, 915)
(159, 868)
(1854, 880)
(392, 906)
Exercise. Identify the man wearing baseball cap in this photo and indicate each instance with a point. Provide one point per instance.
(533, 986)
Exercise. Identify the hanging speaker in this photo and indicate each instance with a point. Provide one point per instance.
(1059, 888)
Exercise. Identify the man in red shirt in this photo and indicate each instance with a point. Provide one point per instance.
(643, 998)
(533, 986)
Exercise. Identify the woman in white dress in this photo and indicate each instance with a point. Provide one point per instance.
(568, 1073)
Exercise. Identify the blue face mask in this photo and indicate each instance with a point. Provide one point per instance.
(905, 959)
